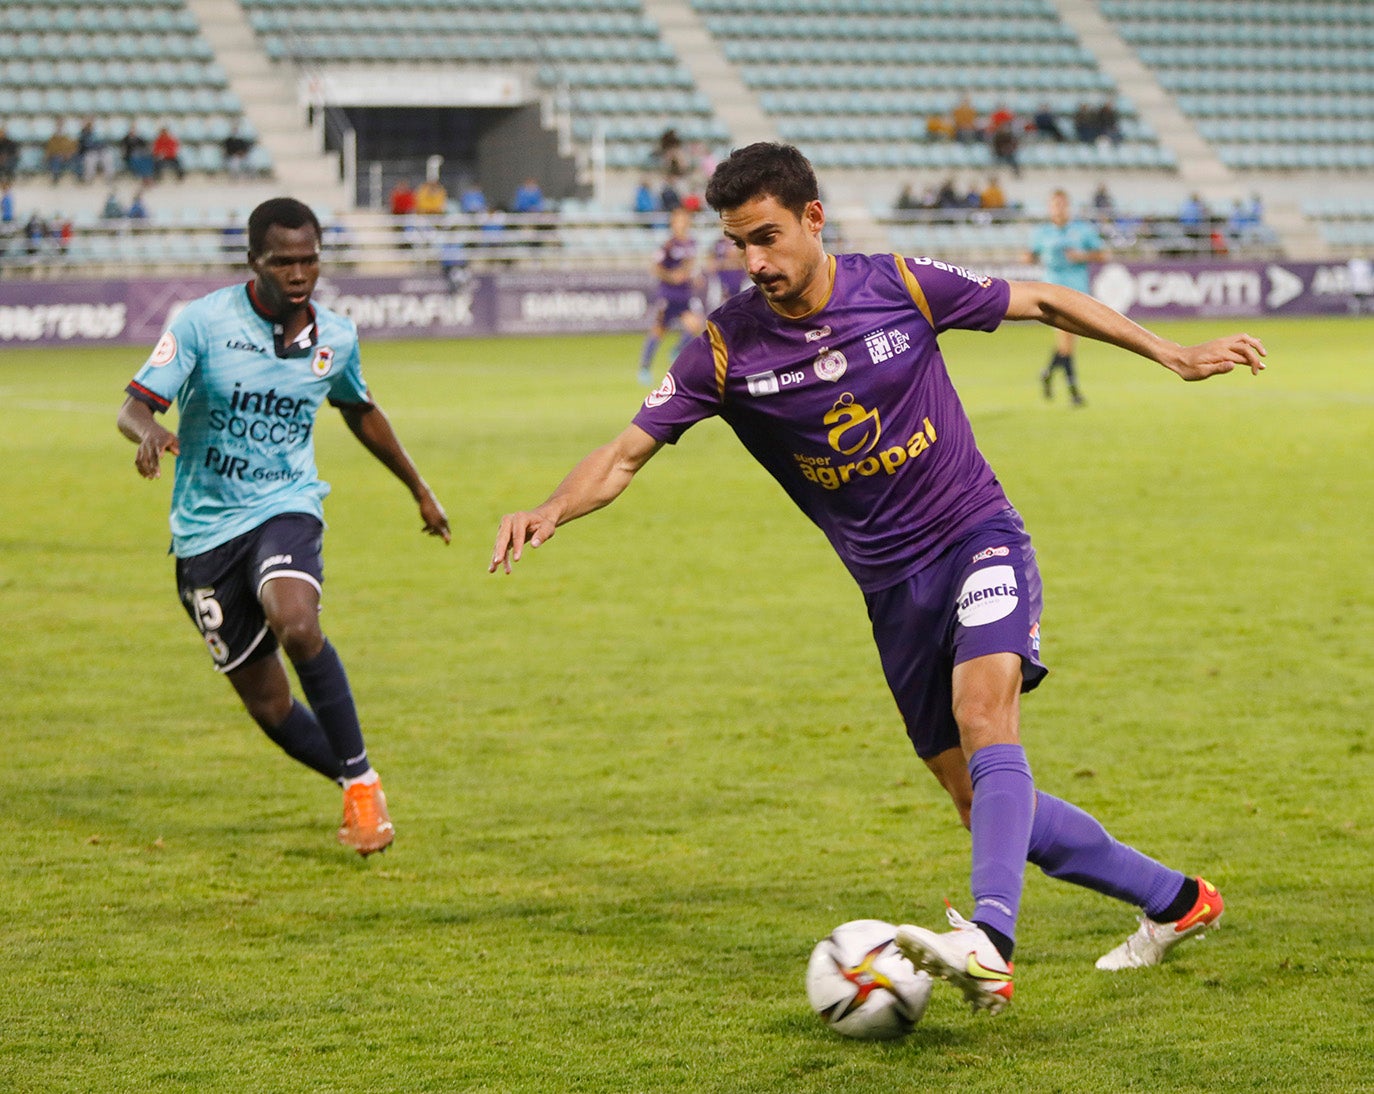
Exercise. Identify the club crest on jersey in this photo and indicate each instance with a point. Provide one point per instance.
(164, 351)
(662, 393)
(323, 362)
(830, 365)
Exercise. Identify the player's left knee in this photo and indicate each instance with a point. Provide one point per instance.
(299, 636)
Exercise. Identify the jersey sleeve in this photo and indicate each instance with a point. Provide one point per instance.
(690, 392)
(1089, 238)
(959, 299)
(347, 386)
(173, 358)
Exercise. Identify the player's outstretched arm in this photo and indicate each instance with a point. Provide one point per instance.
(599, 478)
(373, 428)
(1080, 314)
(136, 422)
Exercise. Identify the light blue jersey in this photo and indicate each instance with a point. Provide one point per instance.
(1049, 243)
(247, 404)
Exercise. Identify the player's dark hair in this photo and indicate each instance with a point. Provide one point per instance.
(763, 169)
(284, 213)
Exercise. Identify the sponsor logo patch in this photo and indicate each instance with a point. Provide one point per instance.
(987, 596)
(164, 351)
(817, 335)
(883, 345)
(662, 393)
(763, 383)
(991, 552)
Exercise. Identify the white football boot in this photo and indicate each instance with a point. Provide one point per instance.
(1152, 940)
(964, 956)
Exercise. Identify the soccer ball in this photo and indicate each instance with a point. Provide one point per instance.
(861, 985)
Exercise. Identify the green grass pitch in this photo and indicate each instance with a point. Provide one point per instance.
(634, 782)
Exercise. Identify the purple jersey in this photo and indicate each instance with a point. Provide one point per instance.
(851, 409)
(673, 256)
(731, 277)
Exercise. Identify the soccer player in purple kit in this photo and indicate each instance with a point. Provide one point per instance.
(829, 372)
(677, 304)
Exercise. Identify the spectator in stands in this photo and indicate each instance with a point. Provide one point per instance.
(1108, 121)
(668, 196)
(112, 209)
(947, 197)
(137, 153)
(6, 205)
(529, 198)
(1194, 216)
(992, 196)
(1005, 147)
(62, 232)
(1001, 115)
(1046, 123)
(669, 154)
(907, 199)
(431, 199)
(402, 198)
(35, 233)
(703, 164)
(471, 199)
(167, 154)
(965, 119)
(644, 201)
(60, 152)
(939, 127)
(236, 150)
(96, 155)
(9, 156)
(137, 210)
(1103, 202)
(1085, 123)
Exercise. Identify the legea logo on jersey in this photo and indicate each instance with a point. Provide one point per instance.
(853, 427)
(883, 345)
(323, 362)
(987, 596)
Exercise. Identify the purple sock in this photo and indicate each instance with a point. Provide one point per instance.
(326, 689)
(1003, 806)
(1070, 845)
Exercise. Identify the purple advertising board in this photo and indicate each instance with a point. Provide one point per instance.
(136, 311)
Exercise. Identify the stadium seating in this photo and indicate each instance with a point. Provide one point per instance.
(853, 88)
(115, 61)
(593, 50)
(1272, 86)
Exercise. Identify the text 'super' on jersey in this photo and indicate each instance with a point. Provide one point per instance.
(246, 404)
(851, 408)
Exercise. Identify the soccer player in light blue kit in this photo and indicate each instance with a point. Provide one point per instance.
(249, 367)
(829, 372)
(1065, 248)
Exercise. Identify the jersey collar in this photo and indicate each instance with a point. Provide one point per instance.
(304, 343)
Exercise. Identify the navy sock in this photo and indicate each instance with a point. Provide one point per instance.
(326, 689)
(301, 738)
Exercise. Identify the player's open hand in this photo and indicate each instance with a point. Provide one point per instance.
(148, 458)
(436, 520)
(1220, 355)
(516, 530)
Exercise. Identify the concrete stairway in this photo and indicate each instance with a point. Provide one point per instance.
(271, 102)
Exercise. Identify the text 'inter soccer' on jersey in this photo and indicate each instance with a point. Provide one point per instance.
(247, 404)
(851, 408)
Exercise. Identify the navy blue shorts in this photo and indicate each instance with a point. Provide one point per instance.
(982, 596)
(220, 588)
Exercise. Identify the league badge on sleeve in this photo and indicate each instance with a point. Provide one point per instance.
(164, 351)
(323, 362)
(662, 393)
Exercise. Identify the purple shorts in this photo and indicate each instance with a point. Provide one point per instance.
(981, 596)
(672, 308)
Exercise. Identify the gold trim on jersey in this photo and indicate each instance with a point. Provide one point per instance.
(913, 286)
(719, 352)
(830, 272)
